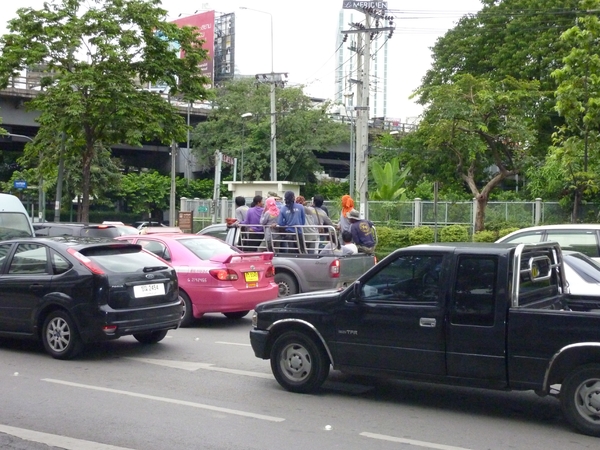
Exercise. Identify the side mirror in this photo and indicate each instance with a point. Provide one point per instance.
(356, 292)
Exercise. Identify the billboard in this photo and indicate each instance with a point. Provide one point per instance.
(205, 22)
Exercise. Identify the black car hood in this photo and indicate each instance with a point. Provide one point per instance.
(304, 300)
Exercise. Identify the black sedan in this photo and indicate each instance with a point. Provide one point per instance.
(69, 291)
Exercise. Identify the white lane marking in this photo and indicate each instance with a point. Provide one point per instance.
(54, 440)
(234, 412)
(192, 366)
(383, 437)
(232, 343)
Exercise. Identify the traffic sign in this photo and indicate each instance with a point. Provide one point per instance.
(20, 184)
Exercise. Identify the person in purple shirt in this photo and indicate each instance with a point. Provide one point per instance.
(256, 234)
(292, 214)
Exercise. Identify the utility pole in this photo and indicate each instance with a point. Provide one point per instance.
(274, 79)
(365, 34)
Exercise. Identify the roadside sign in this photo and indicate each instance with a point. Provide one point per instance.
(202, 209)
(20, 184)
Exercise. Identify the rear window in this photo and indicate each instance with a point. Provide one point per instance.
(205, 248)
(585, 267)
(122, 259)
(101, 232)
(579, 241)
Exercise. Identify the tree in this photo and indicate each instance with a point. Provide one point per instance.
(389, 180)
(483, 128)
(303, 129)
(96, 57)
(571, 167)
(509, 38)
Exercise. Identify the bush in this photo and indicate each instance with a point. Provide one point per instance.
(485, 236)
(421, 235)
(503, 232)
(390, 239)
(454, 233)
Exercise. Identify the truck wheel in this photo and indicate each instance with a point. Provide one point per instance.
(298, 362)
(580, 399)
(60, 336)
(286, 283)
(151, 337)
(187, 317)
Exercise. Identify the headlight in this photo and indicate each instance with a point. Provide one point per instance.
(254, 319)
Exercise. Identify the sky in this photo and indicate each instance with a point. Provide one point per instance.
(305, 40)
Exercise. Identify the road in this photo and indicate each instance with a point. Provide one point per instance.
(202, 388)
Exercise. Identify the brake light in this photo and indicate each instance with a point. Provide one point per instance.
(109, 329)
(334, 269)
(270, 272)
(87, 262)
(224, 274)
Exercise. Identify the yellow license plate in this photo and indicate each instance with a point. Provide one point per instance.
(250, 276)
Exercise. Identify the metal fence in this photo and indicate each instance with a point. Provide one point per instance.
(417, 212)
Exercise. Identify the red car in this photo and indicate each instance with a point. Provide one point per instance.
(214, 277)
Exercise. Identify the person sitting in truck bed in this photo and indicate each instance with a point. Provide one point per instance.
(362, 233)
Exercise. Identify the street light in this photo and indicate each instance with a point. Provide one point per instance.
(273, 109)
(244, 116)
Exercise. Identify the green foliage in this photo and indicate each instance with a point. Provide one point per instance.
(454, 233)
(421, 235)
(504, 231)
(97, 102)
(389, 181)
(303, 130)
(329, 189)
(485, 236)
(390, 239)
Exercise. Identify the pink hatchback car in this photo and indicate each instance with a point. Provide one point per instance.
(214, 277)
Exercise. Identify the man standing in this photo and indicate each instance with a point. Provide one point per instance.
(292, 214)
(362, 232)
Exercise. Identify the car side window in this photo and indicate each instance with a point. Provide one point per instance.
(474, 293)
(583, 241)
(29, 259)
(59, 264)
(158, 248)
(408, 279)
(526, 238)
(4, 251)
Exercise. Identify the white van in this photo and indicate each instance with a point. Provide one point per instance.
(14, 221)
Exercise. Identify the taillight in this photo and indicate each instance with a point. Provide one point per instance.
(334, 268)
(224, 274)
(270, 272)
(87, 262)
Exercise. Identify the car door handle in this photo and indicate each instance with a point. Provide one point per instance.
(36, 287)
(426, 322)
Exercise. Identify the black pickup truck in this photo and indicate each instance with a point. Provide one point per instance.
(492, 316)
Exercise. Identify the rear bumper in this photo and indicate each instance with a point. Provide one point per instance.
(130, 321)
(228, 300)
(258, 340)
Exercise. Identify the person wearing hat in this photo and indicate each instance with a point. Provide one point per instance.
(362, 232)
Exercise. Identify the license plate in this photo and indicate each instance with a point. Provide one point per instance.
(250, 276)
(148, 290)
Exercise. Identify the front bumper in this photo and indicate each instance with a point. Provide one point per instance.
(259, 341)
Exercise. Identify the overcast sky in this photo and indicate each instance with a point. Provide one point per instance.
(305, 33)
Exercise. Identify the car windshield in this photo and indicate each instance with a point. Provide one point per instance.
(14, 225)
(206, 248)
(585, 267)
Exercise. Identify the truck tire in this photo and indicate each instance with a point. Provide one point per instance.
(60, 336)
(580, 399)
(187, 317)
(287, 284)
(299, 364)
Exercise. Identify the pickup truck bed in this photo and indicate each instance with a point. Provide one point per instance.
(297, 268)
